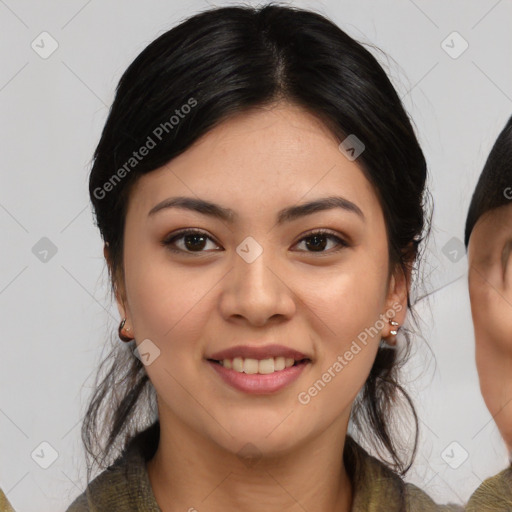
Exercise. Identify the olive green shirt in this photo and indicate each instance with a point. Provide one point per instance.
(125, 486)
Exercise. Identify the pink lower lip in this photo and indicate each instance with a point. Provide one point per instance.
(257, 383)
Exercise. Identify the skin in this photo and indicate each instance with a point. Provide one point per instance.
(490, 289)
(191, 305)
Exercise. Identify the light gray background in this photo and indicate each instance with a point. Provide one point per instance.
(55, 314)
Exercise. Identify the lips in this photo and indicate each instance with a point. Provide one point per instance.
(265, 352)
(259, 370)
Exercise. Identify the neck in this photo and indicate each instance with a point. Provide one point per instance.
(189, 472)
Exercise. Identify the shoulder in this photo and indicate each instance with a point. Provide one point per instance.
(418, 500)
(376, 486)
(5, 506)
(122, 487)
(493, 494)
(110, 490)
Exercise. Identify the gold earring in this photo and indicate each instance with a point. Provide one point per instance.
(120, 331)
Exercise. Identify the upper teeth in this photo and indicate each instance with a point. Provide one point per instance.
(263, 366)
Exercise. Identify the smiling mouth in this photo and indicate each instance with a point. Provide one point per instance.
(259, 366)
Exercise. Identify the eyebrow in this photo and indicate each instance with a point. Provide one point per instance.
(285, 215)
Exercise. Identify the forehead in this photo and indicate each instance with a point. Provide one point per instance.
(261, 160)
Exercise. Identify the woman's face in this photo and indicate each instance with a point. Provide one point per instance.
(256, 279)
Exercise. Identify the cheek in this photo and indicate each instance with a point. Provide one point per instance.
(169, 307)
(481, 295)
(349, 299)
(167, 303)
(346, 308)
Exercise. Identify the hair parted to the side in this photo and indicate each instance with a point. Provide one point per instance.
(230, 60)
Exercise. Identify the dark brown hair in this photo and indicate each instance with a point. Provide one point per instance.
(494, 186)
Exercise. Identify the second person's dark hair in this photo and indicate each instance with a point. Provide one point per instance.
(494, 186)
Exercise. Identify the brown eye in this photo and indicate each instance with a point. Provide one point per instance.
(317, 241)
(193, 241)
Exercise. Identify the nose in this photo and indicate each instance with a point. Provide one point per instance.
(257, 292)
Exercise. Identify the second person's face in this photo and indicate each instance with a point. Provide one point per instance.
(490, 289)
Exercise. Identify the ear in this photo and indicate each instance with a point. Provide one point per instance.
(396, 301)
(117, 283)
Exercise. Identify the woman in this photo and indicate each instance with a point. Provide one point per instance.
(261, 195)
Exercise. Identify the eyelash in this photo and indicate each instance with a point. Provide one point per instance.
(167, 242)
